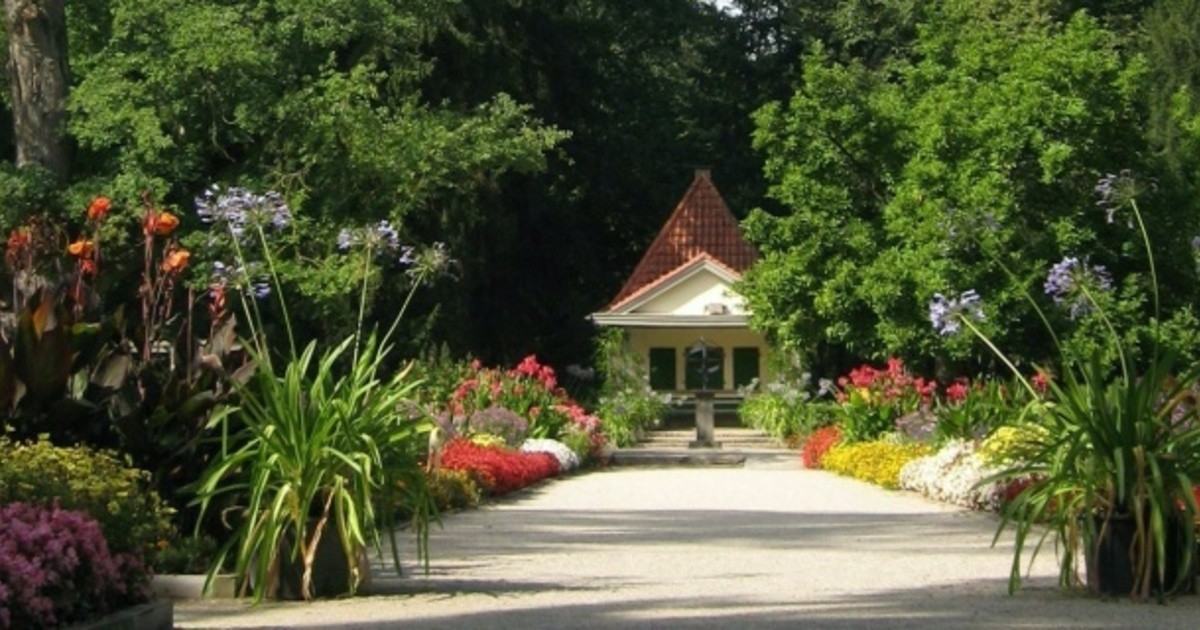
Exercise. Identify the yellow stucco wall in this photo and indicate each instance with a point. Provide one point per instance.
(642, 339)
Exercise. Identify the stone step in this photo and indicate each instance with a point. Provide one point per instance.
(704, 457)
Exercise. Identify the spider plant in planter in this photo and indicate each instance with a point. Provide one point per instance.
(326, 447)
(1114, 463)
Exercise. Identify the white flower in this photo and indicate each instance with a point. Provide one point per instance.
(567, 459)
(953, 475)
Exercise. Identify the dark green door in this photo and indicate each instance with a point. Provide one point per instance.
(662, 369)
(745, 366)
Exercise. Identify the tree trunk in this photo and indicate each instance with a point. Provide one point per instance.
(37, 52)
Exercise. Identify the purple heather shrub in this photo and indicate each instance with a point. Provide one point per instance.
(55, 569)
(500, 422)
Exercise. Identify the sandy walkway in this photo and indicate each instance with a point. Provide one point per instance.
(709, 547)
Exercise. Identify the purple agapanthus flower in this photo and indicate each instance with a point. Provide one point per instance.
(238, 208)
(1068, 279)
(947, 313)
(260, 289)
(1118, 191)
(380, 237)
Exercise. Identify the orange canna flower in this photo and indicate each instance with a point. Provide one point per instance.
(18, 239)
(98, 209)
(82, 248)
(176, 260)
(166, 223)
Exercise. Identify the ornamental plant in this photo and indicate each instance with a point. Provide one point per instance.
(812, 453)
(1118, 445)
(500, 422)
(56, 569)
(89, 366)
(627, 405)
(499, 470)
(530, 390)
(568, 459)
(877, 461)
(972, 410)
(788, 410)
(956, 474)
(873, 399)
(131, 515)
(322, 442)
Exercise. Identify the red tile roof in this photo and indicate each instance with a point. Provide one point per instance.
(700, 224)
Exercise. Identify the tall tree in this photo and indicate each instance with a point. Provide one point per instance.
(1173, 52)
(39, 80)
(648, 91)
(924, 176)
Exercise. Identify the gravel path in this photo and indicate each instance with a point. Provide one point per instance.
(709, 547)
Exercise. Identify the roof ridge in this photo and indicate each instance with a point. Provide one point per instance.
(700, 223)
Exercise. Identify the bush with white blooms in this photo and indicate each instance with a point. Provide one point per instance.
(567, 459)
(953, 474)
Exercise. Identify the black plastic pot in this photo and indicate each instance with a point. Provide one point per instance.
(1110, 566)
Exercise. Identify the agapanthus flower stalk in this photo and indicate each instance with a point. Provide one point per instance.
(947, 313)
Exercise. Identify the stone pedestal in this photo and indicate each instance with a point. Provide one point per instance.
(705, 422)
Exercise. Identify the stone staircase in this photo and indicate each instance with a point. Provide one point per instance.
(739, 446)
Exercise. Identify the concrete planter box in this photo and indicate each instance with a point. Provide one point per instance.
(155, 615)
(191, 586)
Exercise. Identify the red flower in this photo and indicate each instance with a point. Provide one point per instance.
(957, 391)
(818, 444)
(502, 470)
(1041, 381)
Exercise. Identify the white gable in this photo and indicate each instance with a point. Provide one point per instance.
(703, 291)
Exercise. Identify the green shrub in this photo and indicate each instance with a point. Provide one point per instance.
(578, 442)
(784, 413)
(185, 554)
(878, 462)
(627, 405)
(453, 489)
(120, 498)
(626, 413)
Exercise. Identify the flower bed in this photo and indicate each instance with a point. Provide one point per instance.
(568, 459)
(953, 475)
(878, 462)
(499, 470)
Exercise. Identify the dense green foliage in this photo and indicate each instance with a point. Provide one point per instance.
(965, 162)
